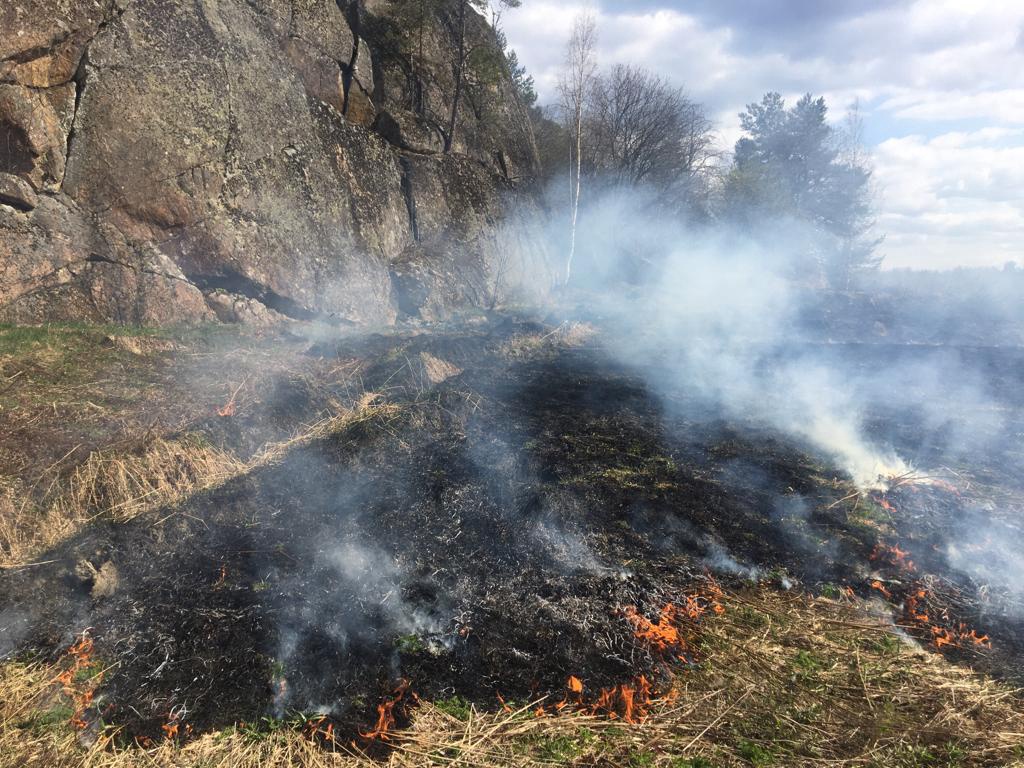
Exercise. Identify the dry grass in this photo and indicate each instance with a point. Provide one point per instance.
(121, 484)
(25, 528)
(568, 334)
(113, 484)
(785, 681)
(369, 407)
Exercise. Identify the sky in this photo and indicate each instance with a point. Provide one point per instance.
(939, 84)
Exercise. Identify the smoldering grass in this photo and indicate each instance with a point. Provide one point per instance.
(811, 682)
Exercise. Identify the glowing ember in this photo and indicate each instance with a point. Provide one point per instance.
(893, 555)
(230, 407)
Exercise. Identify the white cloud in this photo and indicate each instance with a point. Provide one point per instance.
(955, 199)
(999, 106)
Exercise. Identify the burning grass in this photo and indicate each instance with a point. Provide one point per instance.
(783, 680)
(515, 515)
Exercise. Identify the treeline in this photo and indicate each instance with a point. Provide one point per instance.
(793, 177)
(623, 127)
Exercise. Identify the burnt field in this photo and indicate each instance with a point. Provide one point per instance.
(509, 511)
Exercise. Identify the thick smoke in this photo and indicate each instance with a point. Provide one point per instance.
(741, 322)
(723, 315)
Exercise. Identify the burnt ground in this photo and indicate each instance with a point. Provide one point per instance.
(485, 534)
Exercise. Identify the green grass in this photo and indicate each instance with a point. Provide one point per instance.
(807, 662)
(55, 718)
(456, 706)
(949, 755)
(17, 340)
(886, 644)
(755, 754)
(20, 340)
(563, 747)
(410, 644)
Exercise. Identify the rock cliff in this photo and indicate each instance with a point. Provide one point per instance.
(180, 160)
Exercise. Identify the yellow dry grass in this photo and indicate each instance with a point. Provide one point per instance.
(119, 484)
(568, 334)
(785, 680)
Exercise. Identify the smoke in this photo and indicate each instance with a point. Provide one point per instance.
(722, 316)
(740, 325)
(356, 601)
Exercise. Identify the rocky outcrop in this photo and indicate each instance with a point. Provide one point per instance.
(158, 156)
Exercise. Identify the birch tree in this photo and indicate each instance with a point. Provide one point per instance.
(574, 85)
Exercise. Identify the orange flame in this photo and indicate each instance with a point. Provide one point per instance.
(81, 658)
(893, 555)
(664, 635)
(881, 588)
(386, 714)
(942, 637)
(630, 701)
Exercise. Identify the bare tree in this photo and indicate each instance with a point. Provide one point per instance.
(574, 85)
(645, 131)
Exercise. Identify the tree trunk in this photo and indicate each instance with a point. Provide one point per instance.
(576, 194)
(460, 68)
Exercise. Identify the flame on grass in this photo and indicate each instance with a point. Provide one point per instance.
(668, 638)
(919, 608)
(386, 717)
(77, 682)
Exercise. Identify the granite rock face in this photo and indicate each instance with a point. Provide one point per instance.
(159, 155)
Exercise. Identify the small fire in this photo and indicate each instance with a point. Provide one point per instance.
(505, 707)
(877, 585)
(893, 555)
(630, 701)
(664, 635)
(912, 609)
(943, 635)
(81, 693)
(386, 713)
(231, 407)
(667, 635)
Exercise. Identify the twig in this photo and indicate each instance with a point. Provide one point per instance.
(718, 719)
